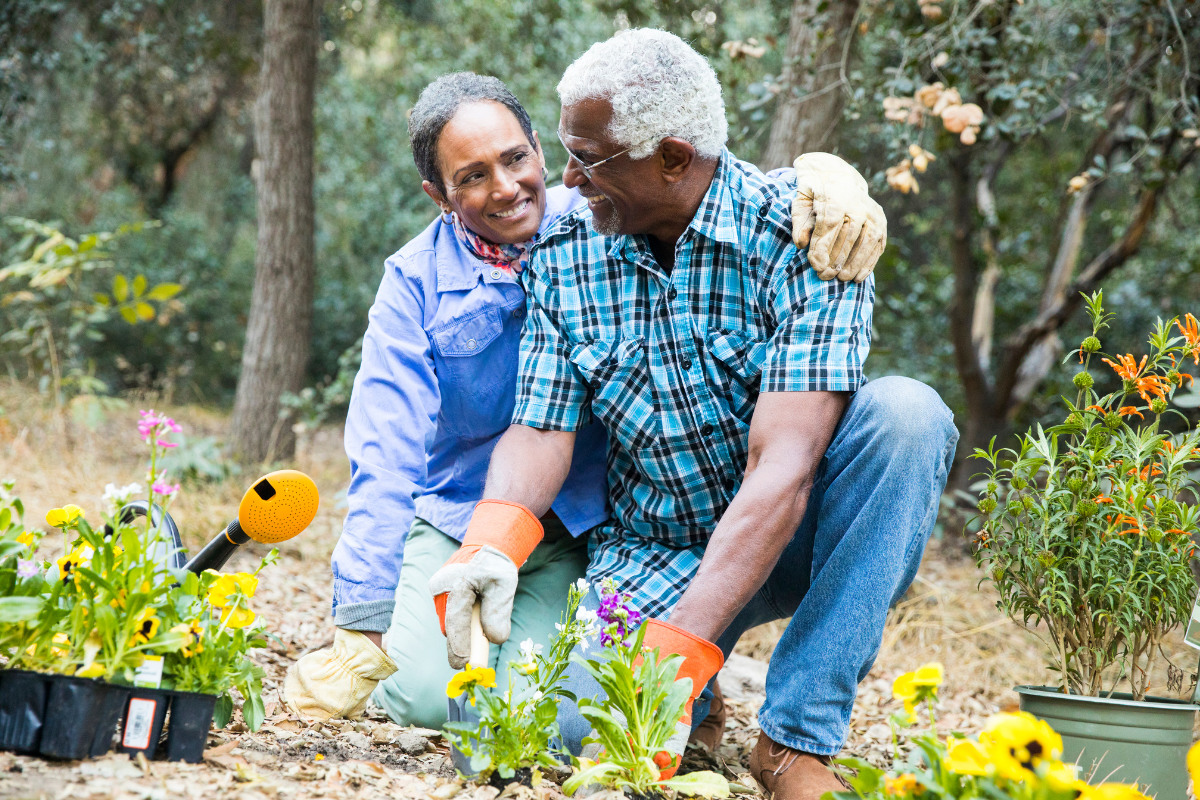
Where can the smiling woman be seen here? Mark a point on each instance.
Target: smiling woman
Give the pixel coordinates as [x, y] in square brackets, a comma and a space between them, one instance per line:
[435, 391]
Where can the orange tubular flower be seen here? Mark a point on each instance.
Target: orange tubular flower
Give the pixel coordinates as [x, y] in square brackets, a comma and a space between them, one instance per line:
[1128, 369]
[1152, 385]
[1103, 499]
[1190, 329]
[1127, 411]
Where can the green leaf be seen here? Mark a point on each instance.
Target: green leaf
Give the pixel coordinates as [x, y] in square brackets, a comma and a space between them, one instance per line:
[129, 315]
[101, 299]
[145, 311]
[139, 285]
[120, 288]
[223, 711]
[706, 784]
[164, 291]
[19, 609]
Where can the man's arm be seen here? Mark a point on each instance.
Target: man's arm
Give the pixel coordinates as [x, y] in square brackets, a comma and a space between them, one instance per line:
[789, 434]
[529, 467]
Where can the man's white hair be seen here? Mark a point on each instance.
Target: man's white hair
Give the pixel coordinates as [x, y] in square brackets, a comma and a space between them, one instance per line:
[657, 85]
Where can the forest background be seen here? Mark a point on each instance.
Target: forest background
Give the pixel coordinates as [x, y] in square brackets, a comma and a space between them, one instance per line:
[1079, 173]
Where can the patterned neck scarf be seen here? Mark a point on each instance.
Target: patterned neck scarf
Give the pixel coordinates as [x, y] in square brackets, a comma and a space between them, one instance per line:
[512, 258]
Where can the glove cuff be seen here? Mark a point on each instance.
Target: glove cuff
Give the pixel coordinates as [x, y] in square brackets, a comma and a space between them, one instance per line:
[359, 655]
[701, 658]
[511, 528]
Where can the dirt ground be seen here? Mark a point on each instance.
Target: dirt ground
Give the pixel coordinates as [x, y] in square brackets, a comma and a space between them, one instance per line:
[948, 615]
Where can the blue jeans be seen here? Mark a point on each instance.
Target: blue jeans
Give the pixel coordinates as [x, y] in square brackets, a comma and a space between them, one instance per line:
[872, 507]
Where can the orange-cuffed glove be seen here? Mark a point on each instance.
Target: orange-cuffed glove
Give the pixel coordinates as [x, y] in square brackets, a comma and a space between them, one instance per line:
[701, 661]
[499, 539]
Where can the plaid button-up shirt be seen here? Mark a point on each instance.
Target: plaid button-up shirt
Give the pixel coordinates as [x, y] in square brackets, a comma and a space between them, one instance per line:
[672, 363]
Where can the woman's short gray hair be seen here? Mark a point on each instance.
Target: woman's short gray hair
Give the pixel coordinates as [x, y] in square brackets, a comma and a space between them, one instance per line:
[657, 85]
[437, 105]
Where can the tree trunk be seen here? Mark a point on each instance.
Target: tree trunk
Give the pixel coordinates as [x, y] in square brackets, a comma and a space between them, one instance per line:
[277, 333]
[810, 103]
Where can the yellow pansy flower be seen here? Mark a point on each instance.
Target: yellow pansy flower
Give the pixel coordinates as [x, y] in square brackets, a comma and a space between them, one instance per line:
[28, 538]
[194, 633]
[237, 617]
[1112, 791]
[1193, 765]
[902, 785]
[471, 676]
[61, 517]
[146, 626]
[1018, 743]
[929, 676]
[903, 689]
[78, 557]
[93, 670]
[966, 757]
[226, 585]
[60, 639]
[1061, 778]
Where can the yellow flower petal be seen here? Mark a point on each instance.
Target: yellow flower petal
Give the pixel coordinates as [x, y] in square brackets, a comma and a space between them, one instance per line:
[928, 675]
[73, 511]
[903, 687]
[56, 517]
[1112, 791]
[1193, 764]
[237, 617]
[93, 670]
[966, 757]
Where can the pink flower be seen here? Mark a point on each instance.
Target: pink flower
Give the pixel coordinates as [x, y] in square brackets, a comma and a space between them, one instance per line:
[166, 489]
[26, 568]
[152, 425]
[161, 443]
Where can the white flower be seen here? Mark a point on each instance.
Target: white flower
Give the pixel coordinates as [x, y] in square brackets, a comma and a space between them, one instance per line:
[537, 696]
[582, 586]
[583, 645]
[115, 497]
[558, 626]
[529, 650]
[586, 616]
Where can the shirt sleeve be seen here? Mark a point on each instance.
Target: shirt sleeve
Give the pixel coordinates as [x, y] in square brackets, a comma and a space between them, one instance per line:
[551, 393]
[823, 328]
[389, 429]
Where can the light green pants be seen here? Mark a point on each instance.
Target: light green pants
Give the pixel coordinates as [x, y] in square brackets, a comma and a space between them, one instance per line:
[416, 694]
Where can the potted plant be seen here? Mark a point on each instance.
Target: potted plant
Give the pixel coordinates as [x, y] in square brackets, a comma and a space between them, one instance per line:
[1086, 529]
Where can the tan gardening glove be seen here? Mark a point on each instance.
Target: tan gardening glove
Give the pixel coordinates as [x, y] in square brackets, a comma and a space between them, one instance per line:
[336, 681]
[844, 230]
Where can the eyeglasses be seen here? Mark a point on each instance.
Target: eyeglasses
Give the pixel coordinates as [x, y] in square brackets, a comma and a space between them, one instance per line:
[587, 168]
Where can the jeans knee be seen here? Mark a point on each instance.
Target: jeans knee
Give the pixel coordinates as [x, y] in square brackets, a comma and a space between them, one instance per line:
[908, 413]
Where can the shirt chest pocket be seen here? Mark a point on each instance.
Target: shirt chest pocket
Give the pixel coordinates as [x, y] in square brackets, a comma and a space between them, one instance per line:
[476, 363]
[624, 398]
[735, 368]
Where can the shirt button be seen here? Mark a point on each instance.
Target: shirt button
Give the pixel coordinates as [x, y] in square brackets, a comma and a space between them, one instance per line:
[763, 210]
[472, 344]
[706, 430]
[671, 293]
[520, 312]
[595, 383]
[496, 274]
[686, 364]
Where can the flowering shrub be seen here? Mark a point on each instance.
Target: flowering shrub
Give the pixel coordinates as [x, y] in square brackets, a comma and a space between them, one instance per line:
[1015, 756]
[111, 600]
[517, 728]
[642, 704]
[1087, 526]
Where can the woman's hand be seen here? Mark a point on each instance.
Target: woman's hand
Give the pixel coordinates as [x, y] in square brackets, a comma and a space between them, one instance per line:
[844, 230]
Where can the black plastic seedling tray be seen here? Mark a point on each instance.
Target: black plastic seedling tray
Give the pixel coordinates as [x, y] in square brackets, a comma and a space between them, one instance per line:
[187, 731]
[22, 710]
[74, 711]
[145, 712]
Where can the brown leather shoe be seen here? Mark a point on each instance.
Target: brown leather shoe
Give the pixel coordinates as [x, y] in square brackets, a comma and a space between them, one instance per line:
[787, 774]
[710, 732]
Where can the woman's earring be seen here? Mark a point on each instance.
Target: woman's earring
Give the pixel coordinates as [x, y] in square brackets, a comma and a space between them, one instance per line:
[545, 173]
[447, 216]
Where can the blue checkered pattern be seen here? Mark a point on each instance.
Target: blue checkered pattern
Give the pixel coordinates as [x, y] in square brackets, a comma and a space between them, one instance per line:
[672, 363]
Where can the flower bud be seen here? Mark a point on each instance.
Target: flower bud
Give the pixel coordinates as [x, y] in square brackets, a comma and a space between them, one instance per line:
[1090, 345]
[1087, 508]
[1028, 503]
[1019, 483]
[1014, 507]
[987, 505]
[1074, 483]
[1158, 405]
[1046, 558]
[992, 487]
[1073, 419]
[1083, 380]
[1155, 535]
[1112, 420]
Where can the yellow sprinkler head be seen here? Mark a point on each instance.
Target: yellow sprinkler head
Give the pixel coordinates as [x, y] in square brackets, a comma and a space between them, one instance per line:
[278, 506]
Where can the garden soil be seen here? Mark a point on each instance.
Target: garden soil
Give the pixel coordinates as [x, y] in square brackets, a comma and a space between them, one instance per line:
[947, 616]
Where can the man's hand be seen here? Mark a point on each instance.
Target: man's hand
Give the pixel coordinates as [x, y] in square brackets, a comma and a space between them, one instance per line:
[337, 681]
[499, 539]
[844, 230]
[789, 434]
[701, 661]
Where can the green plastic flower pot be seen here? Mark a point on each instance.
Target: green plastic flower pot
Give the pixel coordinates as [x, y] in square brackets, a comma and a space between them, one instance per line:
[1119, 739]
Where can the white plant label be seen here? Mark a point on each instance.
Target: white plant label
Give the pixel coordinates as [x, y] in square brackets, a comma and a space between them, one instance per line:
[1192, 636]
[139, 723]
[149, 674]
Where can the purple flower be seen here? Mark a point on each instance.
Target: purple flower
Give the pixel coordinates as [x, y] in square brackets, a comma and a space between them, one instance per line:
[166, 489]
[26, 568]
[153, 425]
[619, 619]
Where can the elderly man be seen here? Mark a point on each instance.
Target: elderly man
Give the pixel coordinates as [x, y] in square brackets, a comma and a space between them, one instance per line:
[753, 473]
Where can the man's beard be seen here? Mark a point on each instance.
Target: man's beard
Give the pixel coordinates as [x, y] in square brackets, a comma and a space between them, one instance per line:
[610, 223]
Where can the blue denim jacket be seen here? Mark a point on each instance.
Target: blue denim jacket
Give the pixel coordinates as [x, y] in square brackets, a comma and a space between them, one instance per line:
[435, 391]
